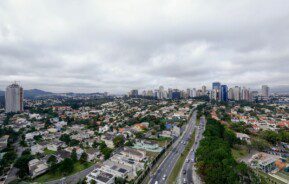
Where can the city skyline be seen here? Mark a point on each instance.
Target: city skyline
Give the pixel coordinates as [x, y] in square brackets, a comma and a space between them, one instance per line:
[117, 46]
[201, 87]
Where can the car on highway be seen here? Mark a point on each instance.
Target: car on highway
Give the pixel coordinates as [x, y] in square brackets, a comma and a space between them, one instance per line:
[164, 177]
[156, 182]
[187, 160]
[184, 171]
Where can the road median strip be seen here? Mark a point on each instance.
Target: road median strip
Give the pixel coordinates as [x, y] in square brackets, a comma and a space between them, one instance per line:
[177, 169]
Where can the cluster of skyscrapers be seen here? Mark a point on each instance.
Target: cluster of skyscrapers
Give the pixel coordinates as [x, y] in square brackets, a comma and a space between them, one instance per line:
[219, 92]
[161, 93]
[223, 93]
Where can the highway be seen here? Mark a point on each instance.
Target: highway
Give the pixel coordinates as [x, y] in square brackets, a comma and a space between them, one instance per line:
[186, 175]
[166, 167]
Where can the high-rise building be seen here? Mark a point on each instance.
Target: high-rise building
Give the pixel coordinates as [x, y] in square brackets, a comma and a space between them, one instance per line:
[144, 93]
[216, 89]
[253, 95]
[224, 93]
[216, 85]
[194, 92]
[204, 90]
[14, 98]
[176, 94]
[237, 93]
[150, 93]
[170, 92]
[161, 92]
[265, 92]
[214, 95]
[189, 93]
[245, 94]
[156, 93]
[231, 94]
[134, 93]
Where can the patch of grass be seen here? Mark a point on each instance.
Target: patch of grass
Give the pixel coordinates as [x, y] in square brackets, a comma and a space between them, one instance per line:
[198, 121]
[79, 167]
[162, 141]
[177, 168]
[48, 177]
[239, 152]
[54, 176]
[48, 152]
[151, 154]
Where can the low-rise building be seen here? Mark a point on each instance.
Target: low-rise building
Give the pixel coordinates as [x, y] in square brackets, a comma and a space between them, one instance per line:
[100, 177]
[37, 148]
[108, 139]
[243, 137]
[133, 153]
[92, 154]
[37, 167]
[147, 145]
[4, 141]
[264, 161]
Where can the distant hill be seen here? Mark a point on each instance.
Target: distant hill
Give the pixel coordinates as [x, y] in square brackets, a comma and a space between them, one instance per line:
[33, 93]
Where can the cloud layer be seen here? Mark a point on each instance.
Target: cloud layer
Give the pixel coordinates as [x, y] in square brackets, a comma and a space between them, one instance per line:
[88, 46]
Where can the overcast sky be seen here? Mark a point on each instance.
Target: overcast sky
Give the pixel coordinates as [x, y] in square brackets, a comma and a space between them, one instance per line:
[113, 45]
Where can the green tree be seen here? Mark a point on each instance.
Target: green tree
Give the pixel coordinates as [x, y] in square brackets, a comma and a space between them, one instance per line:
[271, 136]
[95, 144]
[83, 157]
[66, 166]
[74, 155]
[7, 159]
[74, 142]
[37, 137]
[119, 180]
[260, 144]
[106, 152]
[65, 138]
[22, 164]
[129, 143]
[52, 160]
[118, 141]
[215, 162]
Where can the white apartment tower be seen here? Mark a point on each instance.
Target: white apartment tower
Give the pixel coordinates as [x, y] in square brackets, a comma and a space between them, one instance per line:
[14, 98]
[237, 93]
[265, 92]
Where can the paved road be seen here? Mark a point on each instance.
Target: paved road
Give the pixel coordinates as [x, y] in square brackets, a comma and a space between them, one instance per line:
[169, 162]
[186, 175]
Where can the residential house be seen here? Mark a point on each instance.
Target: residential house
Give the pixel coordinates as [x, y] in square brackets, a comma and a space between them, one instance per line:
[101, 177]
[61, 155]
[147, 145]
[92, 154]
[243, 137]
[37, 148]
[37, 167]
[133, 153]
[264, 161]
[4, 141]
[108, 139]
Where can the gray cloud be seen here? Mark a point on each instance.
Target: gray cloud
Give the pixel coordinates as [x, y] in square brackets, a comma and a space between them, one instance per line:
[89, 46]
